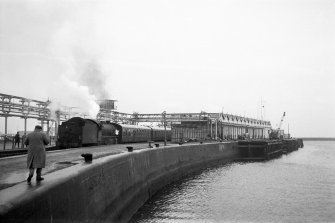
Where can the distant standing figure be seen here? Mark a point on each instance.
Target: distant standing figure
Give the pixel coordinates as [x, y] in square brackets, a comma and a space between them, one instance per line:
[23, 139]
[17, 140]
[36, 142]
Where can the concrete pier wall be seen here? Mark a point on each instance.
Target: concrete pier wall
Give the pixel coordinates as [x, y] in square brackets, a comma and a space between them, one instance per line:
[109, 189]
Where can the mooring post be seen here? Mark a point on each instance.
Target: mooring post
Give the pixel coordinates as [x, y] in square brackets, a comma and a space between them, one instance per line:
[164, 120]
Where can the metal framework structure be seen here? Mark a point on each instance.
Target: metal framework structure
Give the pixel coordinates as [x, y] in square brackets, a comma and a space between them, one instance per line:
[114, 116]
[137, 118]
[14, 106]
[227, 119]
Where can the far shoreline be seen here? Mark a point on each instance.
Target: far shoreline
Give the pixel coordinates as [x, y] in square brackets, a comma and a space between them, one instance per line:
[317, 139]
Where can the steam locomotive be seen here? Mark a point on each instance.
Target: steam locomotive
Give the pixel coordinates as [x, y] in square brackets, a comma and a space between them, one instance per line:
[78, 132]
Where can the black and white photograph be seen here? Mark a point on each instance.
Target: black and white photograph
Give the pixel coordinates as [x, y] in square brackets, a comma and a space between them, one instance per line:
[167, 111]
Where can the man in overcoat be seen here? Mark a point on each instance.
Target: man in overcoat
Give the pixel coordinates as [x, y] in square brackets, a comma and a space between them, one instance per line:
[17, 139]
[36, 142]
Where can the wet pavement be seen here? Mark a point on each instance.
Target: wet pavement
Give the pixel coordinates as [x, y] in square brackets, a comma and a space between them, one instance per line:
[14, 169]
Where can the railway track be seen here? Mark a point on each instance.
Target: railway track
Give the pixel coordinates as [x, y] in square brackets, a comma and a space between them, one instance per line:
[15, 152]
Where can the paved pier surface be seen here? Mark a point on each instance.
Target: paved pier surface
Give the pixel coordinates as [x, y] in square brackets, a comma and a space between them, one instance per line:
[14, 169]
[111, 188]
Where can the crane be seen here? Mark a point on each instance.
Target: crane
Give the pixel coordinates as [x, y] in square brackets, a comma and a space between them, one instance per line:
[275, 134]
[281, 121]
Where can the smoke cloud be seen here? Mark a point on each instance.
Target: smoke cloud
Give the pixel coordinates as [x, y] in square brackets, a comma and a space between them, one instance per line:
[72, 94]
[78, 48]
[92, 76]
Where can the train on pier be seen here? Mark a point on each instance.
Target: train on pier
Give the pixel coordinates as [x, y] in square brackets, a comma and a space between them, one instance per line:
[78, 132]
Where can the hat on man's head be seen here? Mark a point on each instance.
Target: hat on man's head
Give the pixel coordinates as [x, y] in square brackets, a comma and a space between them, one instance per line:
[38, 127]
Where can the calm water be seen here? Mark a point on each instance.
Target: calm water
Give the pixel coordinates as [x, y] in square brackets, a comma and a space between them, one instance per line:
[299, 187]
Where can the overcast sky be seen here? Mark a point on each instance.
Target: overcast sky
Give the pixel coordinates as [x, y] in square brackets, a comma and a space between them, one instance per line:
[176, 56]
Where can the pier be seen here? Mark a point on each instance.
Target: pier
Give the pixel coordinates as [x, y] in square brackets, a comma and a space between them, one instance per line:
[110, 188]
[118, 181]
[253, 150]
[110, 182]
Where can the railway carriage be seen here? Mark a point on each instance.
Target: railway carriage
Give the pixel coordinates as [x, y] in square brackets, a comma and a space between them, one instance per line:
[109, 133]
[158, 134]
[77, 132]
[132, 133]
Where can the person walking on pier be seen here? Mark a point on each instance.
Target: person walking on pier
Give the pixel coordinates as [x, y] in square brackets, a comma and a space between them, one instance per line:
[36, 142]
[17, 139]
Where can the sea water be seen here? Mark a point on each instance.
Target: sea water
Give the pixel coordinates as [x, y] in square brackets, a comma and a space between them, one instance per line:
[298, 187]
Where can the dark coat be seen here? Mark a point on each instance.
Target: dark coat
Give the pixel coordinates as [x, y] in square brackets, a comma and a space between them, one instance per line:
[17, 137]
[36, 142]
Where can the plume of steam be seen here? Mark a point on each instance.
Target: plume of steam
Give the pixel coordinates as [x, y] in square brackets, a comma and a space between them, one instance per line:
[70, 93]
[54, 107]
[81, 87]
[93, 77]
[80, 47]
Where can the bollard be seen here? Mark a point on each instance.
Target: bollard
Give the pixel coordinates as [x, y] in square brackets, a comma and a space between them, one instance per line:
[130, 148]
[157, 144]
[150, 146]
[88, 157]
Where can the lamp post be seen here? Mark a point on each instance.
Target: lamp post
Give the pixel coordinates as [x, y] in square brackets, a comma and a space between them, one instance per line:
[6, 108]
[164, 122]
[57, 123]
[25, 112]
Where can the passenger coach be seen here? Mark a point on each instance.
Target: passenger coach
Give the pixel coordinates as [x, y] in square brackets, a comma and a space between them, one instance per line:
[77, 132]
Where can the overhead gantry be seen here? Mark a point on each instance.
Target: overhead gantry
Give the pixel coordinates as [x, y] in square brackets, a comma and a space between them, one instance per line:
[226, 124]
[25, 108]
[14, 106]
